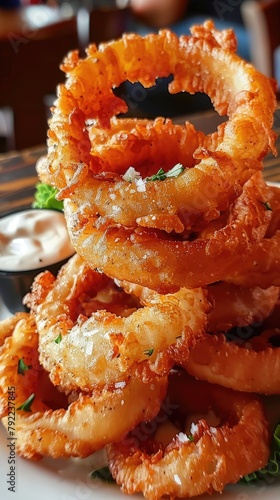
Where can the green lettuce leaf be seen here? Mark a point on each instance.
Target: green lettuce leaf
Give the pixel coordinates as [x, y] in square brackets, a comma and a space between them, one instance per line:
[272, 468]
[45, 197]
[104, 474]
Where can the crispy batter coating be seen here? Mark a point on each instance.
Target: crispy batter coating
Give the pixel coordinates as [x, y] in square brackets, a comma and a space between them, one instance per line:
[202, 457]
[237, 365]
[244, 358]
[102, 347]
[166, 262]
[20, 344]
[86, 138]
[57, 428]
[237, 306]
[97, 352]
[261, 265]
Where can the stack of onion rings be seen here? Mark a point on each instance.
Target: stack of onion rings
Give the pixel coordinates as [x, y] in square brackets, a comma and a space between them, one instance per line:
[86, 103]
[166, 222]
[151, 222]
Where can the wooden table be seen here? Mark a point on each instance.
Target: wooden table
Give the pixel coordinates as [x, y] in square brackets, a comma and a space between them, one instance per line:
[18, 174]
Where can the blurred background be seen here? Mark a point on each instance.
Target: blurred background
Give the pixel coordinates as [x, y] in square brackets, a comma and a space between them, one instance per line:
[36, 35]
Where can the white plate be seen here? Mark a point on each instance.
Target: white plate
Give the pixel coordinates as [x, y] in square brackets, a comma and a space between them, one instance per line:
[69, 479]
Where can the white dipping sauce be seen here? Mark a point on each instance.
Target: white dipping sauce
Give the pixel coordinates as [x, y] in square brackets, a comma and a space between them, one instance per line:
[32, 239]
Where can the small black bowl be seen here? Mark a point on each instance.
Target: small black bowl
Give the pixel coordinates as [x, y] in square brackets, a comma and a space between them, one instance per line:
[14, 285]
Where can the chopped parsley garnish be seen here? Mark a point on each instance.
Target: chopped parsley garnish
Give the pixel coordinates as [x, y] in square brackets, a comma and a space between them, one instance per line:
[272, 468]
[149, 352]
[45, 197]
[161, 175]
[266, 205]
[104, 474]
[22, 367]
[26, 406]
[58, 339]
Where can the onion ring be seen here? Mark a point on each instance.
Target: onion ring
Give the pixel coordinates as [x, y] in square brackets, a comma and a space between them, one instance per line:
[142, 143]
[234, 305]
[261, 265]
[87, 424]
[104, 348]
[166, 264]
[231, 305]
[86, 102]
[244, 359]
[236, 366]
[206, 462]
[12, 349]
[7, 326]
[132, 203]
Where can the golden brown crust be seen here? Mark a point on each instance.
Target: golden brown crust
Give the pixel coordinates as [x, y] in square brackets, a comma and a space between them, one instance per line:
[86, 106]
[104, 346]
[166, 263]
[236, 366]
[213, 457]
[55, 428]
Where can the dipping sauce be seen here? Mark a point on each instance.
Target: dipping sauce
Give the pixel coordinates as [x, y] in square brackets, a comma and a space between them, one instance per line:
[33, 239]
